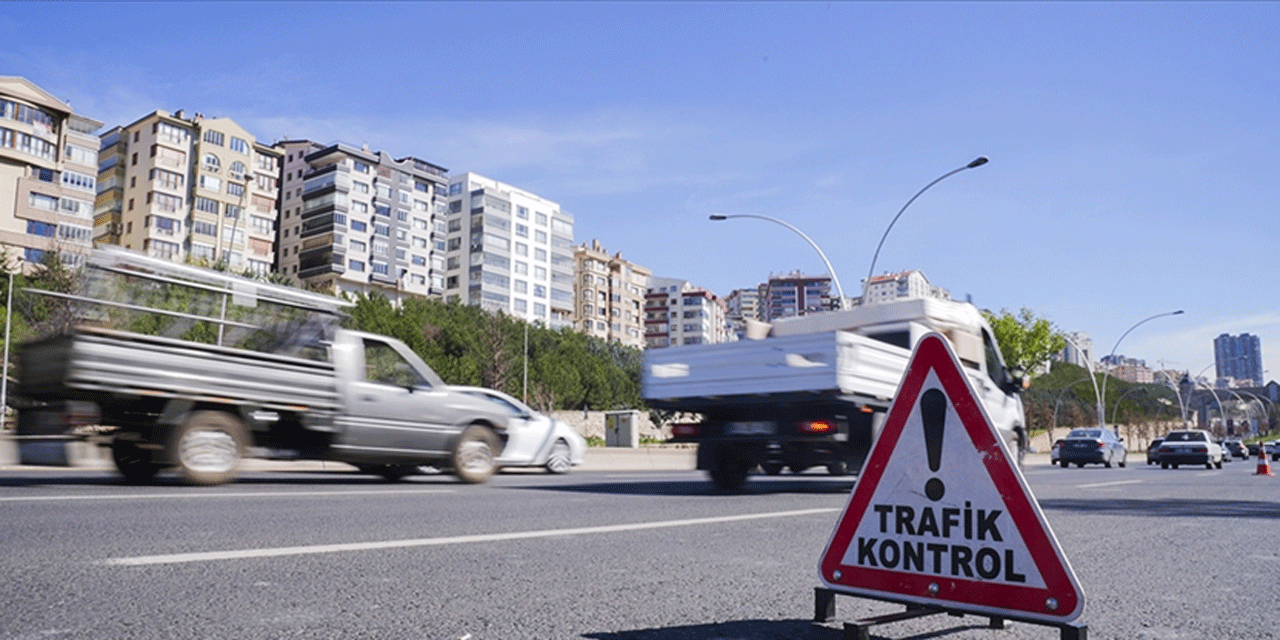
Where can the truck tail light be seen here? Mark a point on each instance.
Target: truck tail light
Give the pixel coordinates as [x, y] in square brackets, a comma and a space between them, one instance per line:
[816, 426]
[685, 430]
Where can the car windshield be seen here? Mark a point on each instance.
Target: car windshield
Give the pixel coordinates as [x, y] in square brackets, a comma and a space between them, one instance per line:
[1185, 436]
[1085, 433]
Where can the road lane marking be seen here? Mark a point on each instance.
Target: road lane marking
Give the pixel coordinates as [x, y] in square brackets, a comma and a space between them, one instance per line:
[209, 556]
[244, 494]
[1095, 485]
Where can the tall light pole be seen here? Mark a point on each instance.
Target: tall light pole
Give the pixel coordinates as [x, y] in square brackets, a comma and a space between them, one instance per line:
[977, 162]
[1089, 366]
[844, 303]
[1102, 418]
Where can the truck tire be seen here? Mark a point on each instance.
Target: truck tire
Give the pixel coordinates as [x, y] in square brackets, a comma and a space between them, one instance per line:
[729, 468]
[475, 455]
[208, 447]
[133, 462]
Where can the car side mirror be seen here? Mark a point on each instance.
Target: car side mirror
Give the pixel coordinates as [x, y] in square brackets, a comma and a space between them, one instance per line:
[1016, 380]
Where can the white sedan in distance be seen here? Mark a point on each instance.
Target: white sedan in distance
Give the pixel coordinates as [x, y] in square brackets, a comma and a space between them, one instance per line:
[533, 439]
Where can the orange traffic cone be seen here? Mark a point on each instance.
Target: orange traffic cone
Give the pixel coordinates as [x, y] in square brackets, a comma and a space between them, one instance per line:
[1264, 467]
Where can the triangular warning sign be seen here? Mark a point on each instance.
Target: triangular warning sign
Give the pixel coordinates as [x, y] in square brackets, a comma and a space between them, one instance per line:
[940, 515]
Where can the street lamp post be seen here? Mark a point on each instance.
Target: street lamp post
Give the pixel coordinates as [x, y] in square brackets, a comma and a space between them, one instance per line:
[977, 162]
[1089, 366]
[835, 280]
[1102, 418]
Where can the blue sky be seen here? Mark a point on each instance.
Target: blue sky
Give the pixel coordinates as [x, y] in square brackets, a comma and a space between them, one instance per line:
[1134, 148]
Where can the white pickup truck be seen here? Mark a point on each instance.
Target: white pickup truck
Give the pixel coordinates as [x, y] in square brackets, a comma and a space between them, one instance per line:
[814, 391]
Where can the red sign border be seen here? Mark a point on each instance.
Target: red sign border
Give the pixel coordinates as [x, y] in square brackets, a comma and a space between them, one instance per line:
[933, 352]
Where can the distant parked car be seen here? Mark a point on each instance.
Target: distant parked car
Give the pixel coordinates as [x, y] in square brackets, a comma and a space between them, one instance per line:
[1153, 451]
[1092, 446]
[1274, 450]
[1236, 449]
[533, 439]
[1191, 446]
[1253, 449]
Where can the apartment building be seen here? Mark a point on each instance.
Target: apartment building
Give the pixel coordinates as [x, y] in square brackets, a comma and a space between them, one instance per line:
[742, 305]
[355, 221]
[795, 294]
[678, 313]
[198, 190]
[906, 284]
[509, 250]
[1239, 358]
[611, 295]
[48, 175]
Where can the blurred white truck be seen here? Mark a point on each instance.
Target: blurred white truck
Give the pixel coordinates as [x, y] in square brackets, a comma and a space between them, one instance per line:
[814, 390]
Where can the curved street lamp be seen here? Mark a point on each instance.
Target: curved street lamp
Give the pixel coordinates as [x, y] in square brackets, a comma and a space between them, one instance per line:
[977, 162]
[835, 280]
[1102, 418]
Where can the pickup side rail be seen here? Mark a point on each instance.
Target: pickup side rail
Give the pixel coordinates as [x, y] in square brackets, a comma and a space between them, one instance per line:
[829, 363]
[98, 363]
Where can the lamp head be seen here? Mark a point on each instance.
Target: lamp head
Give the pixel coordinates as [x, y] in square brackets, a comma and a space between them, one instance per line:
[977, 162]
[716, 216]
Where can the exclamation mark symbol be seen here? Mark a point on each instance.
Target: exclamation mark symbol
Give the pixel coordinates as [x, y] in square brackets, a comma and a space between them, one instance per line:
[933, 412]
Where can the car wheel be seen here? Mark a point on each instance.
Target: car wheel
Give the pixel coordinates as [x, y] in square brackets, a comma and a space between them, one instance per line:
[1218, 464]
[1107, 462]
[1080, 465]
[475, 455]
[838, 468]
[1175, 466]
[559, 461]
[1064, 464]
[1124, 459]
[1164, 465]
[207, 447]
[133, 462]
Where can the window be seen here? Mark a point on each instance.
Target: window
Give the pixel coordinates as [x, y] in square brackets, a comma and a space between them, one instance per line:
[357, 246]
[211, 183]
[211, 163]
[235, 189]
[79, 181]
[239, 146]
[355, 265]
[237, 170]
[522, 230]
[361, 168]
[357, 225]
[164, 202]
[214, 137]
[206, 205]
[167, 179]
[42, 229]
[199, 227]
[165, 226]
[41, 201]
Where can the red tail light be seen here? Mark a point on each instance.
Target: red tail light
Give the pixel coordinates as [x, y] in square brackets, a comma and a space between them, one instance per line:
[686, 430]
[816, 426]
[1101, 444]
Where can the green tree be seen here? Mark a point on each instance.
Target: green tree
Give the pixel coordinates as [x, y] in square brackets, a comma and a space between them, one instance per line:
[1026, 340]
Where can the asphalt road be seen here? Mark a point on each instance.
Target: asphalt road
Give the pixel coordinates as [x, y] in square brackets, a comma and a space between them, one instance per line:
[621, 553]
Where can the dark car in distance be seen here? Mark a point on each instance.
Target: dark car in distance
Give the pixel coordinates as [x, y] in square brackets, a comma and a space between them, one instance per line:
[1092, 446]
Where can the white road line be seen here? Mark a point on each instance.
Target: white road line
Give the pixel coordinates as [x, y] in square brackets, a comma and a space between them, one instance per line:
[208, 556]
[1095, 485]
[244, 494]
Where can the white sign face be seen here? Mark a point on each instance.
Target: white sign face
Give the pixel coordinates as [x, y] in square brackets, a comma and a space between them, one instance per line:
[941, 516]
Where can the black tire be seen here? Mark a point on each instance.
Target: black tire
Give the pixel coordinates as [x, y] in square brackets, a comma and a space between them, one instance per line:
[772, 468]
[1107, 462]
[729, 468]
[133, 462]
[1124, 459]
[475, 455]
[1080, 465]
[208, 447]
[838, 468]
[1164, 465]
[560, 460]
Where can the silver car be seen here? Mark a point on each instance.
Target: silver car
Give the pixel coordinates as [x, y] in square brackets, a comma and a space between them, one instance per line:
[533, 439]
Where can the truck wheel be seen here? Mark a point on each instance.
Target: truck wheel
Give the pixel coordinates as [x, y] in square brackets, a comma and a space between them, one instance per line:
[474, 456]
[729, 469]
[133, 462]
[207, 448]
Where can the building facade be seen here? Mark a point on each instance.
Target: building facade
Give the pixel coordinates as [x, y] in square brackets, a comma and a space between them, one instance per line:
[355, 221]
[1239, 358]
[741, 305]
[199, 190]
[1079, 349]
[795, 295]
[510, 250]
[48, 175]
[897, 286]
[611, 295]
[678, 313]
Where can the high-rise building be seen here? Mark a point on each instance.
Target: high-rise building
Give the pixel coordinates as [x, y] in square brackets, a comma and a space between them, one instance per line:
[198, 190]
[795, 295]
[355, 221]
[897, 286]
[48, 174]
[678, 313]
[509, 250]
[1239, 357]
[611, 295]
[1079, 349]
